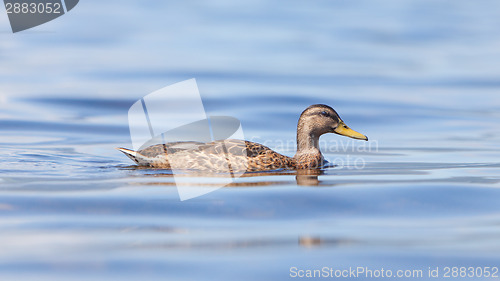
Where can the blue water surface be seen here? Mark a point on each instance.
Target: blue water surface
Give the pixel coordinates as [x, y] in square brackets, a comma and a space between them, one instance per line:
[419, 78]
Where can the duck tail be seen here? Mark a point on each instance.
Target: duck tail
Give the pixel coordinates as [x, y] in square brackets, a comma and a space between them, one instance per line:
[130, 154]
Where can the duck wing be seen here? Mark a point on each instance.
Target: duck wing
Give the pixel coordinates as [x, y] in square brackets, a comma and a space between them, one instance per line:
[169, 148]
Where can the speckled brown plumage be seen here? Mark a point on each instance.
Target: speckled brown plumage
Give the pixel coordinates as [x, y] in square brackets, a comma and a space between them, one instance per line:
[212, 156]
[246, 156]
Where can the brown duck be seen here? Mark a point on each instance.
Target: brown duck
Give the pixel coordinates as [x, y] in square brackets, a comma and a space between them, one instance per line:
[239, 155]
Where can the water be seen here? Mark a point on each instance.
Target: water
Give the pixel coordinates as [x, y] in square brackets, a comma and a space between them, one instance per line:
[419, 78]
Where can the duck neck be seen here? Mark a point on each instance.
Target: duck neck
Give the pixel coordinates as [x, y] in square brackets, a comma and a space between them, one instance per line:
[307, 141]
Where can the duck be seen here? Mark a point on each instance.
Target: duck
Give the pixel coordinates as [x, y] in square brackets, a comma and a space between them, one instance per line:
[246, 156]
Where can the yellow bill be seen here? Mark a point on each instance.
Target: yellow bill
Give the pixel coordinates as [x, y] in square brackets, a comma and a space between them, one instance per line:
[343, 130]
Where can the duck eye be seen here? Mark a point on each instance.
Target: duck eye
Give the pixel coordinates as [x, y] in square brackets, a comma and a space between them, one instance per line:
[324, 113]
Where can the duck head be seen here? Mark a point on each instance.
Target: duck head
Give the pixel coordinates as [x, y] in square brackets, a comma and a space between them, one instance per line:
[319, 119]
